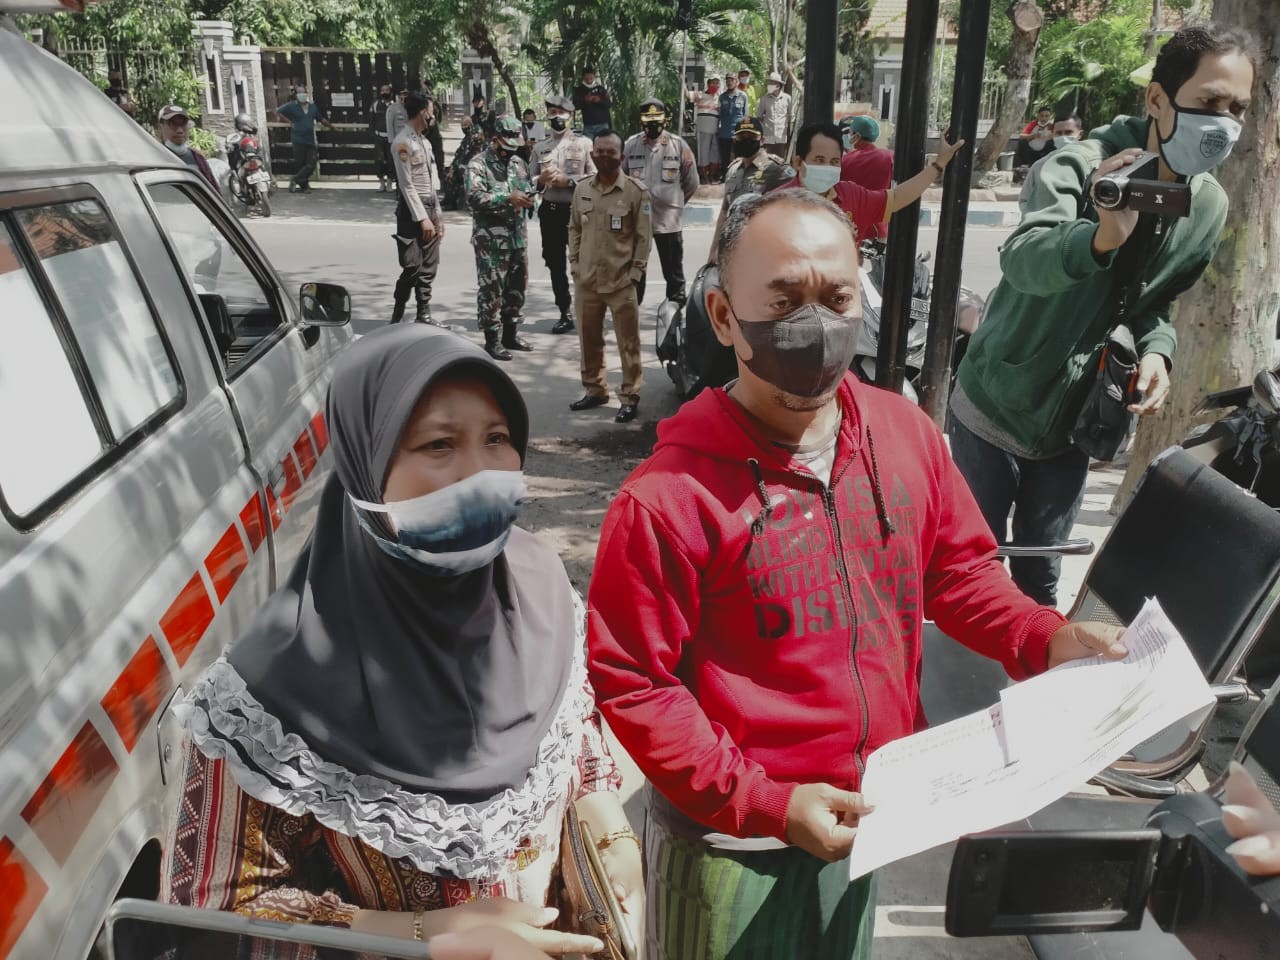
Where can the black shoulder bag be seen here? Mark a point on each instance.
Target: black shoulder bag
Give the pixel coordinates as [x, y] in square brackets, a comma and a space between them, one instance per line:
[1105, 422]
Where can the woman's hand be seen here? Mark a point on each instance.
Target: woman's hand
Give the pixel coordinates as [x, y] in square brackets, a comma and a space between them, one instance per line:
[624, 865]
[1249, 817]
[483, 943]
[524, 920]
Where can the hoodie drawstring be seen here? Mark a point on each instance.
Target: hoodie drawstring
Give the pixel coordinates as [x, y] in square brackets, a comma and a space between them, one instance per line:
[757, 525]
[887, 528]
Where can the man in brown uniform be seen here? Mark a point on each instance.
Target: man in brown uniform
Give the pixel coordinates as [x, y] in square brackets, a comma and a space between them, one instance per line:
[610, 232]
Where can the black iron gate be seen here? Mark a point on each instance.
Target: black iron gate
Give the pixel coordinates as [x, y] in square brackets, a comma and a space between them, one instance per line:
[344, 85]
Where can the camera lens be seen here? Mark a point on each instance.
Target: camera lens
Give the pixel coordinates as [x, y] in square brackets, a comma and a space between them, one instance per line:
[1108, 194]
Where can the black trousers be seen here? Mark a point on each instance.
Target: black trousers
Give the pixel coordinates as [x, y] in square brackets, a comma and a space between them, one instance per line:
[726, 153]
[419, 259]
[308, 156]
[671, 256]
[386, 169]
[553, 218]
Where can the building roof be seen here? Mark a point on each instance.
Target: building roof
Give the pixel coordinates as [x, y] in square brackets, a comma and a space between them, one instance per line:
[51, 117]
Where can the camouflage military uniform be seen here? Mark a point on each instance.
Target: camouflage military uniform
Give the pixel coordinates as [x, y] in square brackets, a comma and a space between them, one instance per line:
[498, 236]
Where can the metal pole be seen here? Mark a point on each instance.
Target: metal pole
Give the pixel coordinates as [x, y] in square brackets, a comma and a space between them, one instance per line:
[935, 380]
[684, 82]
[820, 60]
[908, 157]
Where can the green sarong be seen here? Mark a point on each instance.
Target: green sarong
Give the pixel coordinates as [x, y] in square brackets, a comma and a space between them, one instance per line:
[710, 904]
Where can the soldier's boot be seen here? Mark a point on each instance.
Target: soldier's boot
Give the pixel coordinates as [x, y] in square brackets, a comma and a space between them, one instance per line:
[564, 324]
[493, 348]
[397, 313]
[424, 312]
[512, 340]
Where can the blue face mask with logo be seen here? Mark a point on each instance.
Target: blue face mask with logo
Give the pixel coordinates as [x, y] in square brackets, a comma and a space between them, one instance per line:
[453, 530]
[1201, 139]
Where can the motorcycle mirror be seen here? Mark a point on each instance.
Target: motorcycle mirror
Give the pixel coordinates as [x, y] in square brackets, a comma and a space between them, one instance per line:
[1266, 391]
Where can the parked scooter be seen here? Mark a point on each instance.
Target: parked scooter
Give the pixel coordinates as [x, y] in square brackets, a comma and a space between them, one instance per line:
[1244, 444]
[969, 308]
[250, 180]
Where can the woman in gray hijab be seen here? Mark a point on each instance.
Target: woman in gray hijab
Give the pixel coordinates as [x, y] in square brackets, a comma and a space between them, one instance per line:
[393, 743]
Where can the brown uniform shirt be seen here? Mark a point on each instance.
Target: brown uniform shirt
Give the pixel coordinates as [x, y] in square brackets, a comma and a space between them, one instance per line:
[610, 233]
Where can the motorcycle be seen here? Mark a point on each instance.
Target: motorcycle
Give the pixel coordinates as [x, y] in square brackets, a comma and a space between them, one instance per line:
[694, 358]
[250, 180]
[969, 308]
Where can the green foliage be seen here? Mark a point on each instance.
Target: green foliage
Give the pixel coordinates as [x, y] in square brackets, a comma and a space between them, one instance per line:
[857, 48]
[1086, 66]
[204, 141]
[360, 25]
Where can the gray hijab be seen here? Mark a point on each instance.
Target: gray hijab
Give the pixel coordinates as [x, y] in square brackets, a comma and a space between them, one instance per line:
[440, 685]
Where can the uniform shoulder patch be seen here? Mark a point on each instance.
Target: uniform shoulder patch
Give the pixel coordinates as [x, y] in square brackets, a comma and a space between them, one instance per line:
[403, 152]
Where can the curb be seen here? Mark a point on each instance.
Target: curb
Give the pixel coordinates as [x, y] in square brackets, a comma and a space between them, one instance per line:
[703, 215]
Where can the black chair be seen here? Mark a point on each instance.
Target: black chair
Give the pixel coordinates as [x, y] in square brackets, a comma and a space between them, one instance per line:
[1210, 553]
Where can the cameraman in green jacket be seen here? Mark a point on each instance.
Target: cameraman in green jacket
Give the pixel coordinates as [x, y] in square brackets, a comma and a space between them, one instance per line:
[1028, 369]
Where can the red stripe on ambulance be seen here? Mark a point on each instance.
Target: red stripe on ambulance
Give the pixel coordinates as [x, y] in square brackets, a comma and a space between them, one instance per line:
[305, 453]
[187, 618]
[138, 693]
[255, 524]
[320, 431]
[64, 803]
[21, 890]
[226, 561]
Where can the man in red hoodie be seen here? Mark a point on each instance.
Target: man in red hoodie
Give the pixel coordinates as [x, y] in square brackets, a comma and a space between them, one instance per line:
[758, 596]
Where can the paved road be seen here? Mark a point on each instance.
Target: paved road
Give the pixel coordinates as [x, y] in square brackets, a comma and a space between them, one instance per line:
[577, 460]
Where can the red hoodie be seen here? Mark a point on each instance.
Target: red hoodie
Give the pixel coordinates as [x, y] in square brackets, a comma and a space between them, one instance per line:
[722, 634]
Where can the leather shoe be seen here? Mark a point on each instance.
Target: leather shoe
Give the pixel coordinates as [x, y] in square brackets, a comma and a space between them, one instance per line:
[626, 413]
[563, 325]
[588, 402]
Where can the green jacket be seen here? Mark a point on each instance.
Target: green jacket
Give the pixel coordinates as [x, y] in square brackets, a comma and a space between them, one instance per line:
[1030, 364]
[494, 220]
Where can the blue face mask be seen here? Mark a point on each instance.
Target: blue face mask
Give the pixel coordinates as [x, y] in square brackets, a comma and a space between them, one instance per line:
[1201, 140]
[453, 530]
[1061, 142]
[820, 179]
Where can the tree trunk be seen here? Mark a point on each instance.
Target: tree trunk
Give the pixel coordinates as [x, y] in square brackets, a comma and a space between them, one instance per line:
[1157, 21]
[483, 42]
[1227, 323]
[1027, 19]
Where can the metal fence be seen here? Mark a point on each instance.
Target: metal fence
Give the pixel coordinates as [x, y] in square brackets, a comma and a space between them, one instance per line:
[153, 77]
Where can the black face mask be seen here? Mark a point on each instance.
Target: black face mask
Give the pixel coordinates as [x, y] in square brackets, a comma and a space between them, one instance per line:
[747, 147]
[806, 353]
[558, 123]
[386, 98]
[653, 129]
[503, 154]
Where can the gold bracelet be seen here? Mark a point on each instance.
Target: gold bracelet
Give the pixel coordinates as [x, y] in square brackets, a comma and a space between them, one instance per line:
[626, 833]
[417, 924]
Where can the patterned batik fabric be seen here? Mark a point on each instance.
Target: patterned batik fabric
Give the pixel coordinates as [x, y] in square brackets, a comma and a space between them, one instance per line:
[227, 850]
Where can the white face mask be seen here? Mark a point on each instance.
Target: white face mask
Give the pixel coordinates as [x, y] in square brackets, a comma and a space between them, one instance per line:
[304, 98]
[178, 147]
[1061, 142]
[774, 88]
[1200, 140]
[456, 529]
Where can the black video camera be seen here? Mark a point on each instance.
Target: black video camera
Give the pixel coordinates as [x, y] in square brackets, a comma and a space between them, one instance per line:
[1138, 187]
[1082, 881]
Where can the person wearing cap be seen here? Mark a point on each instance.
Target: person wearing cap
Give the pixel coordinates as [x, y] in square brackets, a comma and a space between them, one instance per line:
[733, 110]
[593, 100]
[707, 122]
[419, 225]
[866, 164]
[754, 170]
[610, 230]
[775, 116]
[559, 163]
[499, 192]
[664, 163]
[175, 133]
[748, 91]
[303, 115]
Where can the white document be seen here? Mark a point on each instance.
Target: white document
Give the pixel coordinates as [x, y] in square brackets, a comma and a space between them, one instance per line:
[1047, 736]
